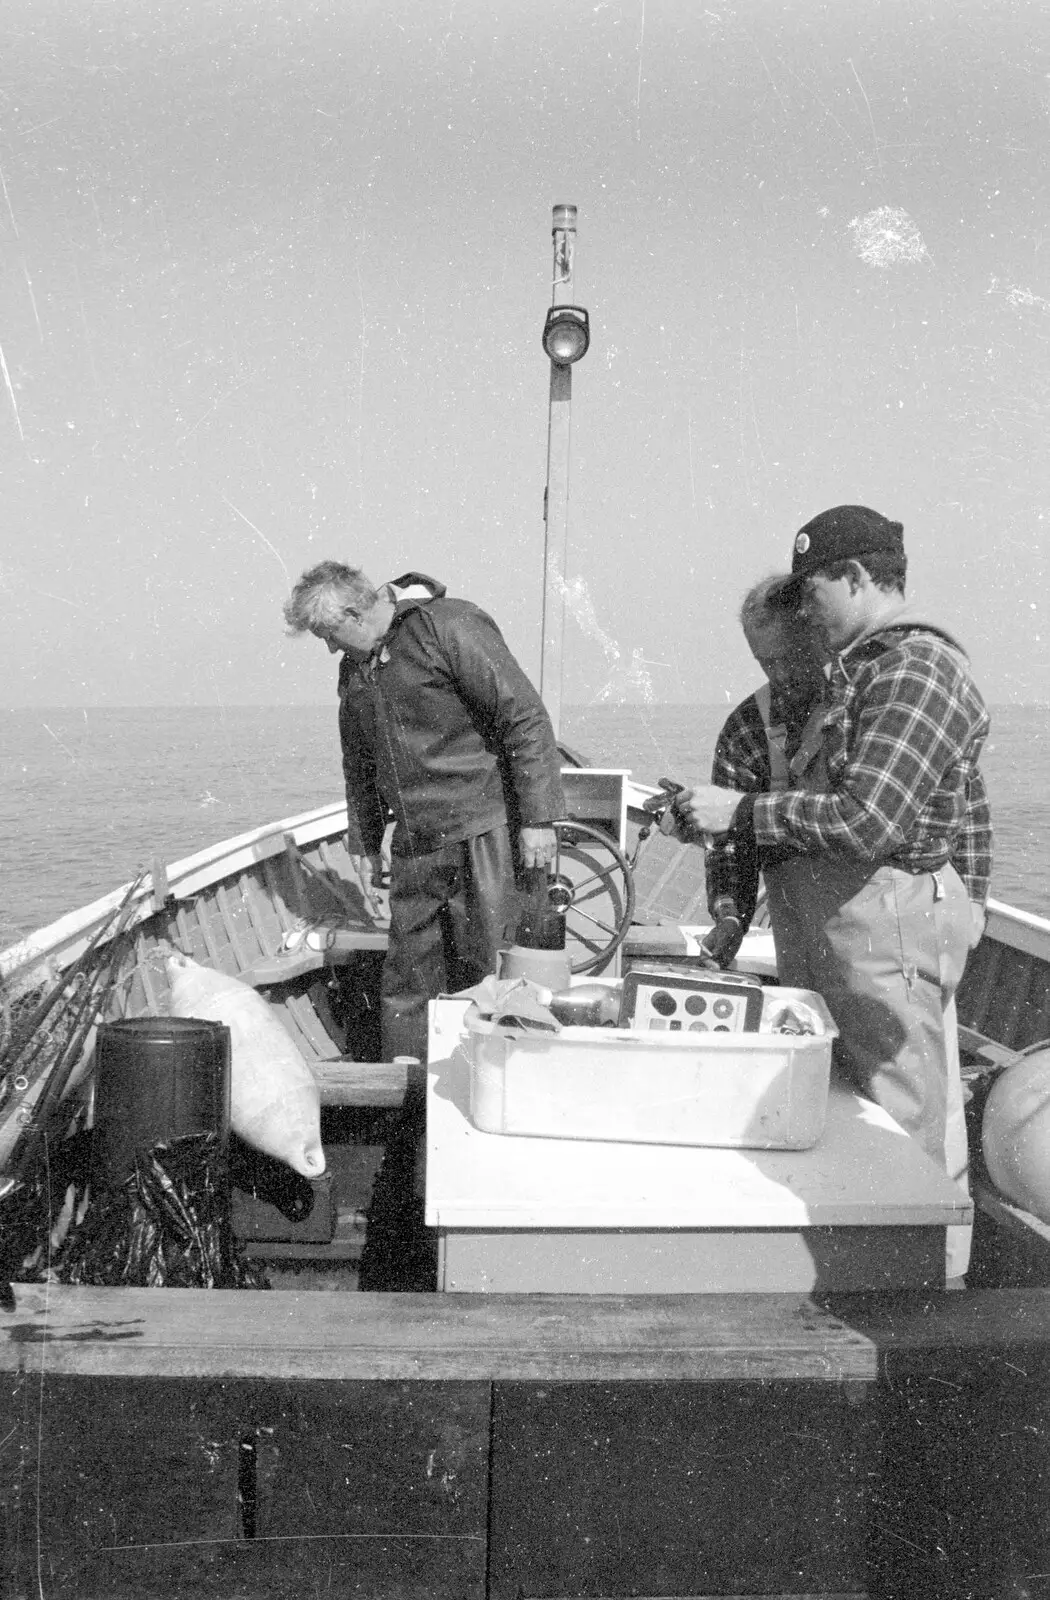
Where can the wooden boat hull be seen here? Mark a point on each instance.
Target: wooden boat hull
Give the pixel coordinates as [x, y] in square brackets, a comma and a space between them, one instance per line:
[165, 1442]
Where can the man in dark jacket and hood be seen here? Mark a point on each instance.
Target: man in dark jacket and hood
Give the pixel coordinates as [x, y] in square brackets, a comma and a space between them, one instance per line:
[442, 731]
[888, 856]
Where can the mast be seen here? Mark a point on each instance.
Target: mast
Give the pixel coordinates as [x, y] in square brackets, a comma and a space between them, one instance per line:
[565, 339]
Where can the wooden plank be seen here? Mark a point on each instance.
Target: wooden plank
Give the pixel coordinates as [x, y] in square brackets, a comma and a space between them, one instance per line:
[159, 883]
[114, 1489]
[268, 972]
[191, 940]
[365, 1083]
[226, 911]
[319, 1044]
[63, 941]
[226, 1333]
[679, 1489]
[346, 1244]
[962, 1508]
[194, 1488]
[231, 856]
[350, 901]
[908, 1329]
[259, 912]
[1010, 1246]
[983, 1049]
[286, 917]
[1004, 994]
[202, 911]
[119, 1001]
[977, 988]
[1019, 930]
[1010, 1017]
[322, 946]
[142, 955]
[1009, 1216]
[394, 1474]
[295, 873]
[665, 940]
[707, 1338]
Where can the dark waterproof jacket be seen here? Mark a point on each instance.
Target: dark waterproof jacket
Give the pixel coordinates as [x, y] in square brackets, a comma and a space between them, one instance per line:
[441, 729]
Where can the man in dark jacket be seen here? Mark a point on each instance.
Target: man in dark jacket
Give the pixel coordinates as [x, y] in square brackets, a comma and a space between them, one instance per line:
[441, 730]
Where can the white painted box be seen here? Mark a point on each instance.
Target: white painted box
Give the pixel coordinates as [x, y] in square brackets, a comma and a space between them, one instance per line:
[763, 1091]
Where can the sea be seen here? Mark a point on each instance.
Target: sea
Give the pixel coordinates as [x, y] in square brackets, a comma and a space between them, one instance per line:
[90, 796]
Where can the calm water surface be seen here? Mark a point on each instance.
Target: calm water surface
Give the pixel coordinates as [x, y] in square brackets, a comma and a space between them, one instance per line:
[87, 797]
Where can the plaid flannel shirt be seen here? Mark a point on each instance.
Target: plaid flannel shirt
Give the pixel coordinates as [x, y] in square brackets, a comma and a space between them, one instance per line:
[741, 761]
[904, 733]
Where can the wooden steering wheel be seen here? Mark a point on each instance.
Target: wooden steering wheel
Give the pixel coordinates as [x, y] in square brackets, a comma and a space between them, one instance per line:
[591, 884]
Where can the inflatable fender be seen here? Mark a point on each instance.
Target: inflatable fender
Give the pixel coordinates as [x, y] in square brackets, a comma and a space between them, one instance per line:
[275, 1104]
[1015, 1133]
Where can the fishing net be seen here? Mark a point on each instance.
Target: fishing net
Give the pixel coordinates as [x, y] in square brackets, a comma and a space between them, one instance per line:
[37, 1210]
[167, 1226]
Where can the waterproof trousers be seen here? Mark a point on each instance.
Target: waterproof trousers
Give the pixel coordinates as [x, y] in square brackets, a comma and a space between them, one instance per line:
[451, 910]
[886, 949]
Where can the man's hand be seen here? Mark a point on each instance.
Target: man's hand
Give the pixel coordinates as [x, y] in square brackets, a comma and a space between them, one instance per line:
[720, 944]
[673, 826]
[538, 846]
[708, 809]
[369, 870]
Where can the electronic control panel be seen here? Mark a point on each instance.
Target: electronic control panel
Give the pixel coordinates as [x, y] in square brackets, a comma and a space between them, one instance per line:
[676, 1002]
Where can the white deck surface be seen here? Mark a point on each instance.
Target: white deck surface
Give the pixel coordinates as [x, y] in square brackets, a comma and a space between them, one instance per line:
[864, 1172]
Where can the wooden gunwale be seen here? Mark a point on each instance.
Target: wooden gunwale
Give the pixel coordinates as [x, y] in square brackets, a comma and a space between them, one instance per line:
[867, 1372]
[146, 1333]
[142, 1333]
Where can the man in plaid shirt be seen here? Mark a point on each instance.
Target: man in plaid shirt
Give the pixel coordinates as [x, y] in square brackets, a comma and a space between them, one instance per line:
[772, 740]
[882, 893]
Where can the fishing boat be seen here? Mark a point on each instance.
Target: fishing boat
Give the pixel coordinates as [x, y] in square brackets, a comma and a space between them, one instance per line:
[360, 1432]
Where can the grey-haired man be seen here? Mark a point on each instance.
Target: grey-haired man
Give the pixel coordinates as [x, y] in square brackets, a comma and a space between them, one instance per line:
[440, 729]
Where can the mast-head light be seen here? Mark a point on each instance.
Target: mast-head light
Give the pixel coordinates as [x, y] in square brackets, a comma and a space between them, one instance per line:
[566, 334]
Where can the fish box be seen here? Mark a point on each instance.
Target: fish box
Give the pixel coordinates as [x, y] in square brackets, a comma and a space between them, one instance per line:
[766, 1090]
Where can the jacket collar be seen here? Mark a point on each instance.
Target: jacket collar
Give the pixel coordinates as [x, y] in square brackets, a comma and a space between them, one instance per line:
[908, 619]
[410, 592]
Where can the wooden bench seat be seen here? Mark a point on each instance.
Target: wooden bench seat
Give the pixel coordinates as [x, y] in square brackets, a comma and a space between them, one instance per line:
[323, 945]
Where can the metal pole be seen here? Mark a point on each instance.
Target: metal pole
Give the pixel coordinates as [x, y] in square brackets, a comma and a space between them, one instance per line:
[556, 496]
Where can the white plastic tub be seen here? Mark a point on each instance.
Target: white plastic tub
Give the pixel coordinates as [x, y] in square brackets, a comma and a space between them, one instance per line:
[764, 1091]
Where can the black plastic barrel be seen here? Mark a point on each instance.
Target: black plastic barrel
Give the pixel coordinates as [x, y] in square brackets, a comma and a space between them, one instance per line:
[156, 1079]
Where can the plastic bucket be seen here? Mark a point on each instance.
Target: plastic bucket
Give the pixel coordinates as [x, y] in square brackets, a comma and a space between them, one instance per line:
[156, 1079]
[551, 968]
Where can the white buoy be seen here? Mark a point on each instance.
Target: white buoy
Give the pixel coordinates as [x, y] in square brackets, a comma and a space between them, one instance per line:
[275, 1104]
[1015, 1133]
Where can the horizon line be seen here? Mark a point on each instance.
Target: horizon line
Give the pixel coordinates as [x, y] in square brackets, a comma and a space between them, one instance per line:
[331, 705]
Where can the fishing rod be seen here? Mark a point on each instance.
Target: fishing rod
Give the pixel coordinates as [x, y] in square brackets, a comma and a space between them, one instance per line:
[27, 1139]
[17, 1046]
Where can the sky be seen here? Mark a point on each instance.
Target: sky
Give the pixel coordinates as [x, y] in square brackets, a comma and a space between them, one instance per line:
[273, 279]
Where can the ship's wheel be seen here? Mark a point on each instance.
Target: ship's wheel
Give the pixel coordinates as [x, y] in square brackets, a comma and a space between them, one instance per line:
[592, 886]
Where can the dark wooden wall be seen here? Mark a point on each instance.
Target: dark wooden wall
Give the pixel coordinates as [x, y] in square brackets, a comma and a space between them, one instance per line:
[191, 1443]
